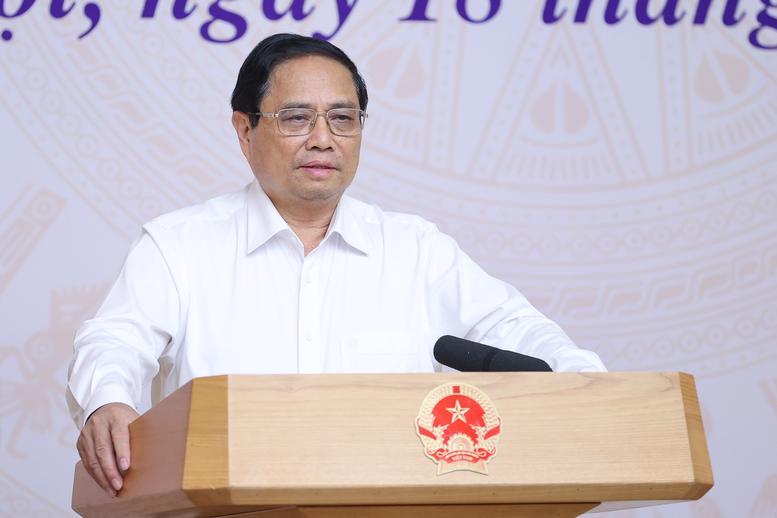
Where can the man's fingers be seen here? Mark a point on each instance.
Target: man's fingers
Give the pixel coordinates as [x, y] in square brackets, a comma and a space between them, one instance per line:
[121, 445]
[92, 465]
[104, 444]
[103, 447]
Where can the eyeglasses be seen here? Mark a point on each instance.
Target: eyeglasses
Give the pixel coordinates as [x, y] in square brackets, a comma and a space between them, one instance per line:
[345, 122]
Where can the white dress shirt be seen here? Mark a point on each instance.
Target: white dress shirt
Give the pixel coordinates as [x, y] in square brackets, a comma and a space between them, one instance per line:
[225, 288]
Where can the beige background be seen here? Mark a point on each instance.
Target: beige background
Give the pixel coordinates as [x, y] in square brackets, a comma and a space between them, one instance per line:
[622, 177]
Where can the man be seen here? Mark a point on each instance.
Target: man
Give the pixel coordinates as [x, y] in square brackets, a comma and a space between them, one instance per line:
[288, 275]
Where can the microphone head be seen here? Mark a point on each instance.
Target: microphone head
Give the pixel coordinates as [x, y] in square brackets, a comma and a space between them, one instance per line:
[463, 355]
[468, 356]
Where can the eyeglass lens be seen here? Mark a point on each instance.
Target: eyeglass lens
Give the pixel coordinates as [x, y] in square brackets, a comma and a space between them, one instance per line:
[300, 121]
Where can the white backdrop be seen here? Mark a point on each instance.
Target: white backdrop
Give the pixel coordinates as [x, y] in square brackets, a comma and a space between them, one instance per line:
[622, 176]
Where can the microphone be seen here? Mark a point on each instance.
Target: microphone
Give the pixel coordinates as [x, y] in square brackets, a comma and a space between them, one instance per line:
[467, 356]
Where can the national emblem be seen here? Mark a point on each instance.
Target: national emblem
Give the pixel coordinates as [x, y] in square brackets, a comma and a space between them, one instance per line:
[459, 428]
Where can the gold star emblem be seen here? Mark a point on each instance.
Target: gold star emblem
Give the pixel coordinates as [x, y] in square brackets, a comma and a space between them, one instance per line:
[457, 412]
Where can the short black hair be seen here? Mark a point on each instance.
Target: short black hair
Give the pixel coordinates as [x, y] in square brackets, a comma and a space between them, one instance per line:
[253, 80]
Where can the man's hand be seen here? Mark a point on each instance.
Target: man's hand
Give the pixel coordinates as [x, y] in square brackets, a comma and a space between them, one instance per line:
[104, 445]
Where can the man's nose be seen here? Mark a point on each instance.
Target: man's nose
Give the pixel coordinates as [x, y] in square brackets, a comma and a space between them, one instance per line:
[320, 136]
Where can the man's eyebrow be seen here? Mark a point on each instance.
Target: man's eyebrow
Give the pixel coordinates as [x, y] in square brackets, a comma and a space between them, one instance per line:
[295, 104]
[299, 104]
[343, 104]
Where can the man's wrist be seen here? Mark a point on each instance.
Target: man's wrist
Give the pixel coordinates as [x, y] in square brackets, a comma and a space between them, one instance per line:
[106, 394]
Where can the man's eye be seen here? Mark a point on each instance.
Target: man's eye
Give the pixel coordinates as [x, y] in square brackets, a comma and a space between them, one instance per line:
[296, 117]
[341, 117]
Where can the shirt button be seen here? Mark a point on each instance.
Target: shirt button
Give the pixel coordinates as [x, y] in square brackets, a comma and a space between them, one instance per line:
[308, 280]
[308, 337]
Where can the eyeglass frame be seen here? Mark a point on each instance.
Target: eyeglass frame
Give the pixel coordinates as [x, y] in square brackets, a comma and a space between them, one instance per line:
[270, 115]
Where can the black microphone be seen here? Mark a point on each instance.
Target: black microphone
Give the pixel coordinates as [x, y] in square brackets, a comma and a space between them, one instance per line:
[467, 356]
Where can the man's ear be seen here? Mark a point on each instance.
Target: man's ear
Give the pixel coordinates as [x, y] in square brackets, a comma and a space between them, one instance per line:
[242, 125]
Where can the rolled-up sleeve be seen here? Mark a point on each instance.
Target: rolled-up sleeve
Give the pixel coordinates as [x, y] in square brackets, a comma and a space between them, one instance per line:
[116, 353]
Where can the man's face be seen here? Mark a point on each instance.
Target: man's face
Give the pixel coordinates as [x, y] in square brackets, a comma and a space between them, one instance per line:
[299, 172]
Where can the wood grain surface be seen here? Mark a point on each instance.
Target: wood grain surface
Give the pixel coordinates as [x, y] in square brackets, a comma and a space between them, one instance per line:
[329, 441]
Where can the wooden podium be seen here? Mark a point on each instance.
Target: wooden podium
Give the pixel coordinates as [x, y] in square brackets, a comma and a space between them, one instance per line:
[347, 445]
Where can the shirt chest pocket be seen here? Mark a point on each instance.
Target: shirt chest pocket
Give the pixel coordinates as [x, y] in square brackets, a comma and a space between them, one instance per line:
[368, 352]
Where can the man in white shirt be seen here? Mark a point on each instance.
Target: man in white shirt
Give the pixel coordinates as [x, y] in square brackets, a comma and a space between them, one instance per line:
[289, 274]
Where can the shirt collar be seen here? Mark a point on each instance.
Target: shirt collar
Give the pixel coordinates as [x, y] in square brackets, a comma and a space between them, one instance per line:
[350, 224]
[264, 222]
[262, 218]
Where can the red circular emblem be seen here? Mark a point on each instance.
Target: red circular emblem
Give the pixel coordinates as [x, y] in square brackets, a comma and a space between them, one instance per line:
[459, 427]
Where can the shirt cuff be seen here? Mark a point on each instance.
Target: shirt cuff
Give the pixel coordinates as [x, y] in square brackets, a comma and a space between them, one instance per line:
[109, 393]
[577, 360]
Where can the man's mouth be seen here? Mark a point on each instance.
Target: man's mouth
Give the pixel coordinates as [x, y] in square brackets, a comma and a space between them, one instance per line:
[318, 168]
